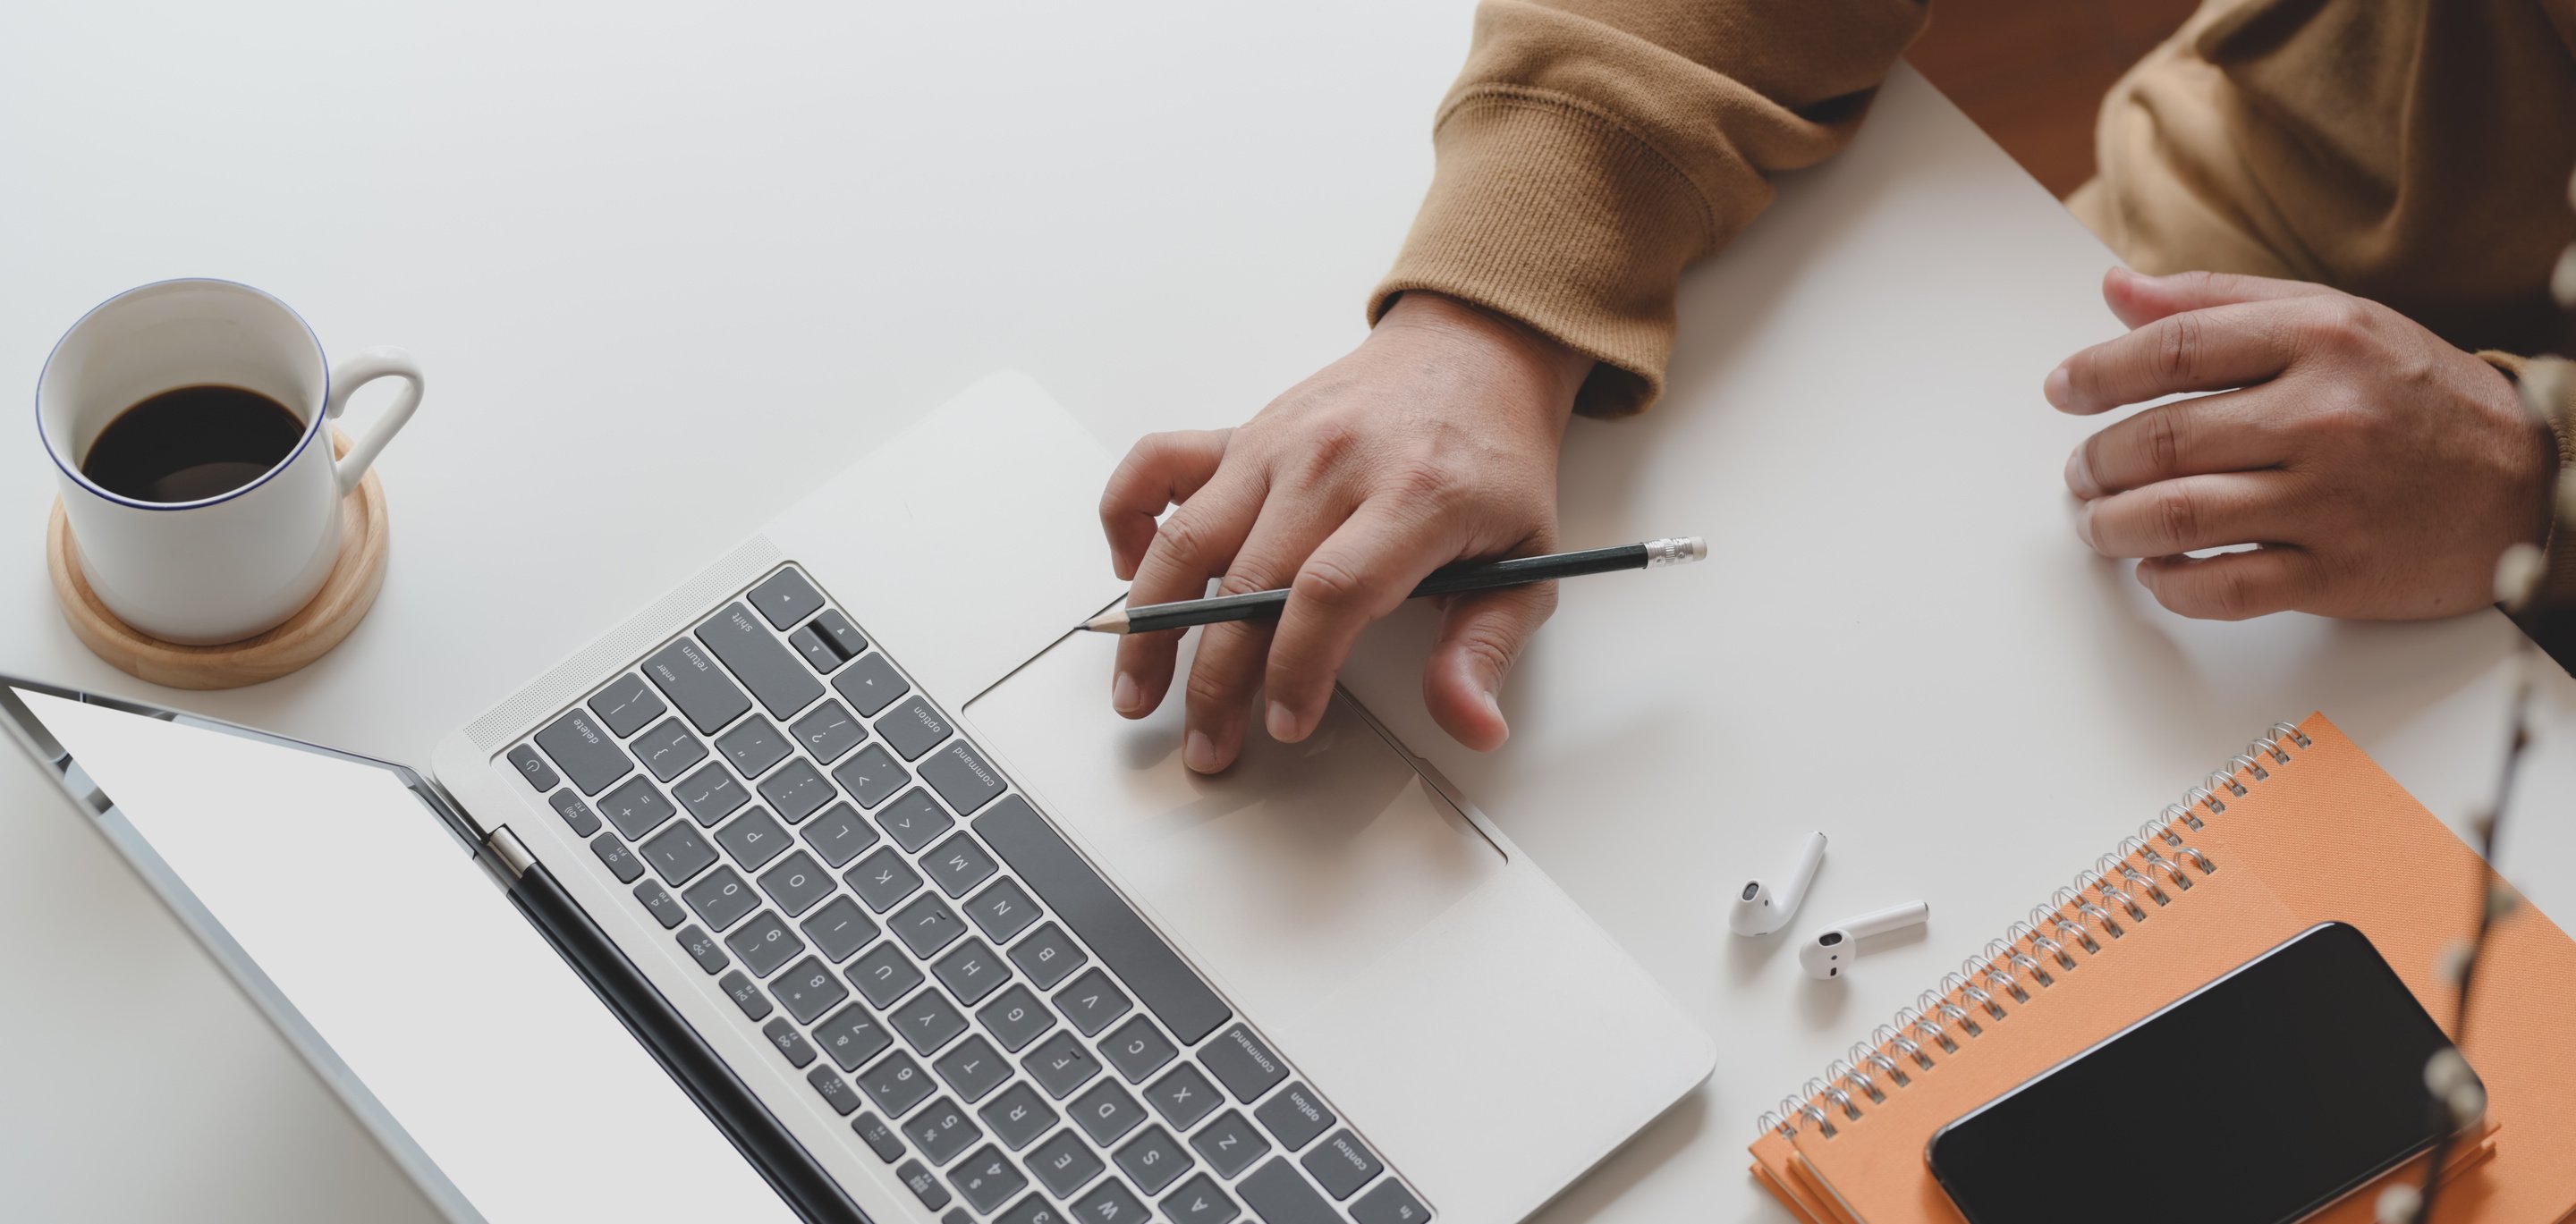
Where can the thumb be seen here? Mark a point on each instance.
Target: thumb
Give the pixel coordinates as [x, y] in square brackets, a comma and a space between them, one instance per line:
[2140, 299]
[1481, 636]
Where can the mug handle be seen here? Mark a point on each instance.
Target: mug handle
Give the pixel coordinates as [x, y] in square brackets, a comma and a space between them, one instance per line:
[346, 377]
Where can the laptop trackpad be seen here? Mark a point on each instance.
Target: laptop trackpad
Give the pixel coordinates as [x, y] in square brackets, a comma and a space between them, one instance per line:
[1287, 875]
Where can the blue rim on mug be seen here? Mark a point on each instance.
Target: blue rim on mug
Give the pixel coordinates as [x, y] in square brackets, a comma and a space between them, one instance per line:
[312, 428]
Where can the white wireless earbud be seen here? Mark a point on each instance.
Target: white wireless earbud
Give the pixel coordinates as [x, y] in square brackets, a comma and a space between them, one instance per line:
[1823, 956]
[1761, 909]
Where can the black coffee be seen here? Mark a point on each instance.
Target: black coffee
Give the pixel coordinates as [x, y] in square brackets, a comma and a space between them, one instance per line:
[192, 442]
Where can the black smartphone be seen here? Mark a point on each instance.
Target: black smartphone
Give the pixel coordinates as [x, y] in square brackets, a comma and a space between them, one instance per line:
[2263, 1096]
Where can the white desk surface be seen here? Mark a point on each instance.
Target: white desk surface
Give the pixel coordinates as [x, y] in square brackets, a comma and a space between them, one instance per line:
[670, 264]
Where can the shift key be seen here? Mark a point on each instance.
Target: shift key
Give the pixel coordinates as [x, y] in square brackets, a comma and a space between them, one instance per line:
[762, 662]
[696, 684]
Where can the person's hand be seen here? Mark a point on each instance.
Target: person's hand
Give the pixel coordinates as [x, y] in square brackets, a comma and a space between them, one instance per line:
[2381, 470]
[1434, 440]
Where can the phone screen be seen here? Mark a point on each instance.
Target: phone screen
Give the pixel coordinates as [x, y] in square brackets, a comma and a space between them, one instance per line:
[2268, 1093]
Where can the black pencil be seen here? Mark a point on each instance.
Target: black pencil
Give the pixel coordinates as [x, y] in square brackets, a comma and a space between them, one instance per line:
[1447, 580]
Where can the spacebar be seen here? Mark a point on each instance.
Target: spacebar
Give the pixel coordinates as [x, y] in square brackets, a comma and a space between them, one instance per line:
[1158, 976]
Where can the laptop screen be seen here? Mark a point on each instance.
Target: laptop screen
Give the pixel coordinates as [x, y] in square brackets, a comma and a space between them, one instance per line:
[370, 935]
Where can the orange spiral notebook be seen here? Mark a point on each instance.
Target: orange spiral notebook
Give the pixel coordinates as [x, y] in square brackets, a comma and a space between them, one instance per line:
[2303, 828]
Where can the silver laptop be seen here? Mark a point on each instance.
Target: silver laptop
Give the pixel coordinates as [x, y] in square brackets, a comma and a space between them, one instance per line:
[858, 902]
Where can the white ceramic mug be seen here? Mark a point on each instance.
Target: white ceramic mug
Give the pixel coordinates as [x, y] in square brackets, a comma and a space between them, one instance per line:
[233, 565]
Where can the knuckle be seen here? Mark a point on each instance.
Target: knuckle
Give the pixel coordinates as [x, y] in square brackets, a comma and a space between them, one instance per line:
[1423, 480]
[1245, 579]
[1183, 540]
[1328, 583]
[2176, 514]
[2230, 594]
[1211, 691]
[2161, 439]
[2183, 341]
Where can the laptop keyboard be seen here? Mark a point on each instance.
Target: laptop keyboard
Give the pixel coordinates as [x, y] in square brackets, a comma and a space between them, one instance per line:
[924, 949]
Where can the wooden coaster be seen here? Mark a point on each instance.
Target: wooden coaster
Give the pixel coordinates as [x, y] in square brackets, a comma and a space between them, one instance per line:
[309, 634]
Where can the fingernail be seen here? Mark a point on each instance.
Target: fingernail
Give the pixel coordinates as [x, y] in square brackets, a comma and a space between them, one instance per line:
[1282, 724]
[1199, 753]
[2060, 387]
[1124, 694]
[2079, 475]
[2084, 523]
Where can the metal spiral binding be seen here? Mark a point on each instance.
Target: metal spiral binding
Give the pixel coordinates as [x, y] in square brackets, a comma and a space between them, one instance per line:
[2158, 863]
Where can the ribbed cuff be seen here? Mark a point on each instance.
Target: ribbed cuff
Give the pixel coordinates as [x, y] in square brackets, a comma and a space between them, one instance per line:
[1566, 220]
[2558, 582]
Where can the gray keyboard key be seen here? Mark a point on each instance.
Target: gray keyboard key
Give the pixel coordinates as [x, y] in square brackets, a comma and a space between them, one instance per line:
[746, 994]
[1106, 1112]
[1199, 1201]
[1110, 1202]
[1137, 1049]
[1183, 1096]
[870, 685]
[1154, 1159]
[764, 943]
[927, 925]
[1018, 1116]
[576, 813]
[696, 684]
[839, 834]
[1065, 1164]
[871, 776]
[852, 1036]
[1003, 910]
[668, 749]
[753, 746]
[1016, 1018]
[972, 971]
[1342, 1164]
[958, 865]
[987, 1179]
[834, 1090]
[1390, 1203]
[1230, 1143]
[636, 808]
[1092, 1002]
[754, 838]
[760, 661]
[896, 1084]
[786, 598]
[839, 929]
[584, 751]
[533, 768]
[722, 898]
[1163, 982]
[962, 777]
[884, 975]
[882, 878]
[973, 1068]
[627, 703]
[915, 819]
[829, 731]
[797, 790]
[1031, 1210]
[711, 794]
[816, 648]
[621, 861]
[1243, 1064]
[924, 1184]
[1279, 1196]
[1060, 1064]
[808, 989]
[942, 1131]
[797, 883]
[679, 853]
[1295, 1116]
[784, 1037]
[703, 949]
[928, 1021]
[1048, 956]
[880, 1138]
[844, 635]
[664, 908]
[912, 728]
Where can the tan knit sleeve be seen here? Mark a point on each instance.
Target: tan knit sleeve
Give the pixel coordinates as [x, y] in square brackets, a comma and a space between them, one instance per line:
[1593, 148]
[2558, 582]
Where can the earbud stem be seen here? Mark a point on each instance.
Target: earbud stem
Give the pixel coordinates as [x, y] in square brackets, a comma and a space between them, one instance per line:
[1893, 918]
